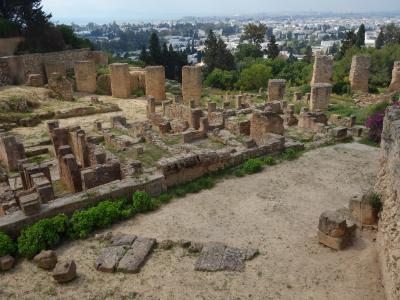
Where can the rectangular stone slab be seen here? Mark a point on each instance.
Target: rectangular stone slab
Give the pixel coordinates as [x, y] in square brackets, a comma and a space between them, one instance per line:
[109, 258]
[210, 258]
[233, 260]
[123, 240]
[136, 255]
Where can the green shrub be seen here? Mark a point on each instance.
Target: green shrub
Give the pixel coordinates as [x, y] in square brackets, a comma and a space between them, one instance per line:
[103, 215]
[8, 29]
[239, 173]
[252, 166]
[375, 201]
[206, 183]
[270, 161]
[165, 198]
[141, 202]
[290, 154]
[42, 235]
[221, 79]
[7, 245]
[180, 192]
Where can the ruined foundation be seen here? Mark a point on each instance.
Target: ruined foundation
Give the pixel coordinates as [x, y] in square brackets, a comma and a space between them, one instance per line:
[192, 84]
[359, 73]
[85, 76]
[155, 82]
[120, 81]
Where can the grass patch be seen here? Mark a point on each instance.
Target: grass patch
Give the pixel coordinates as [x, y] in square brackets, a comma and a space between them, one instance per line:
[368, 142]
[38, 158]
[151, 155]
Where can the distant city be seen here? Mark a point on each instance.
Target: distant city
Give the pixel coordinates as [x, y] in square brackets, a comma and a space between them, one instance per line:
[322, 31]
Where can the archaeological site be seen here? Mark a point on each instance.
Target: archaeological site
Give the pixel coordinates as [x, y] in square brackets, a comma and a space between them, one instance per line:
[138, 180]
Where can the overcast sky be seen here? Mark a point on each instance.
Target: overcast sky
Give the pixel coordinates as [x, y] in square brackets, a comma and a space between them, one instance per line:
[133, 10]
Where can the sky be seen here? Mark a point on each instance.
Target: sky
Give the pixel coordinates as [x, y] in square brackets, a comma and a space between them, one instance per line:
[80, 11]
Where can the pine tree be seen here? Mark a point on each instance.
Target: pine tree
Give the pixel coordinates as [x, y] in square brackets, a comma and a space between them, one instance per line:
[155, 50]
[308, 55]
[360, 37]
[144, 56]
[380, 41]
[272, 48]
[216, 54]
[348, 42]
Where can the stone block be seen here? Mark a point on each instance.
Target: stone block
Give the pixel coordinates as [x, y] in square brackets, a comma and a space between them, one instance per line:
[65, 271]
[333, 224]
[30, 204]
[6, 263]
[359, 73]
[155, 82]
[46, 260]
[109, 259]
[192, 84]
[136, 256]
[86, 76]
[35, 80]
[120, 80]
[276, 89]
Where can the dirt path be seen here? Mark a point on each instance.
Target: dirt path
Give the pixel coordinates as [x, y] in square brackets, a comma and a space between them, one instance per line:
[276, 211]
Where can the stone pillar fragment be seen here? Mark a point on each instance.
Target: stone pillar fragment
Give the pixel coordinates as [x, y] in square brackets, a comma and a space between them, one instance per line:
[120, 81]
[192, 84]
[395, 83]
[155, 82]
[323, 68]
[211, 107]
[86, 77]
[359, 73]
[35, 80]
[320, 96]
[151, 107]
[276, 89]
[55, 67]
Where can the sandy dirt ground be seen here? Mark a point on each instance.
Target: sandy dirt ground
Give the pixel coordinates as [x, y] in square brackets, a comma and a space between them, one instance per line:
[275, 211]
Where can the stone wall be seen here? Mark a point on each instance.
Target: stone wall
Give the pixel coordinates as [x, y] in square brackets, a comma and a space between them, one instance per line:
[359, 73]
[323, 68]
[263, 124]
[155, 82]
[10, 152]
[192, 84]
[16, 69]
[138, 80]
[388, 185]
[395, 83]
[9, 45]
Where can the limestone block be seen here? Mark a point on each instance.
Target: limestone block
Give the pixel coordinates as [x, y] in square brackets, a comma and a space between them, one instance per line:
[65, 271]
[359, 73]
[155, 82]
[46, 260]
[276, 89]
[30, 204]
[55, 67]
[136, 256]
[320, 96]
[35, 80]
[333, 224]
[85, 76]
[323, 69]
[6, 263]
[109, 259]
[192, 84]
[120, 80]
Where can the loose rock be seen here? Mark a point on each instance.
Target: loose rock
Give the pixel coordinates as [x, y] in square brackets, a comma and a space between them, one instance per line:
[46, 260]
[6, 263]
[65, 271]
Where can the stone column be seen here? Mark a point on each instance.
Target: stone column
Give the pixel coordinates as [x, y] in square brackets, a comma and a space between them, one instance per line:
[359, 73]
[320, 96]
[192, 84]
[151, 107]
[85, 76]
[211, 107]
[323, 68]
[120, 81]
[276, 89]
[395, 84]
[155, 82]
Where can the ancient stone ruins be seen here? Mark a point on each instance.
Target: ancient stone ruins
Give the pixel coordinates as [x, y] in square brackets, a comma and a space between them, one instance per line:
[183, 137]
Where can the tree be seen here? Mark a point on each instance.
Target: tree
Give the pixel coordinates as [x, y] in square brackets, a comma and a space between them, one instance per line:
[255, 77]
[272, 48]
[348, 42]
[308, 55]
[360, 37]
[255, 34]
[380, 40]
[216, 54]
[248, 50]
[155, 49]
[144, 56]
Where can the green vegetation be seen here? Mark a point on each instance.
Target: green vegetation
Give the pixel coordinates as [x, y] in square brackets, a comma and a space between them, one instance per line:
[375, 201]
[7, 246]
[253, 166]
[44, 234]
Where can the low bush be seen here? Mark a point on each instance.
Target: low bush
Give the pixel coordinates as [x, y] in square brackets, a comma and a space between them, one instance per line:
[375, 201]
[7, 245]
[142, 202]
[42, 235]
[165, 198]
[239, 172]
[252, 166]
[103, 215]
[290, 154]
[375, 125]
[269, 161]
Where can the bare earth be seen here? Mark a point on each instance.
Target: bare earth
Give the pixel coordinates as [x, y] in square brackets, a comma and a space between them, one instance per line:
[275, 211]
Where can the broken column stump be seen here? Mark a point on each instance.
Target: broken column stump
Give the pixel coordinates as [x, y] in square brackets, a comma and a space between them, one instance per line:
[333, 230]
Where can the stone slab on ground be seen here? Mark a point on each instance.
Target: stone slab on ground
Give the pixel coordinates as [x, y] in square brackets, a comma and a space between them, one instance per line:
[123, 240]
[211, 257]
[136, 256]
[109, 259]
[233, 259]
